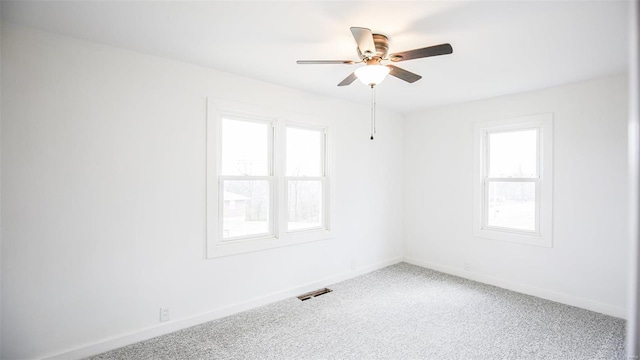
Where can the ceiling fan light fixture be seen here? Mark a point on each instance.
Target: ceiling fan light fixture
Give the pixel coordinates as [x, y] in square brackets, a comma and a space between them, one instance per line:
[372, 74]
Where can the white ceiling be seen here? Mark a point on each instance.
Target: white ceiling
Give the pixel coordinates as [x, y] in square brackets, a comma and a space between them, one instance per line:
[500, 47]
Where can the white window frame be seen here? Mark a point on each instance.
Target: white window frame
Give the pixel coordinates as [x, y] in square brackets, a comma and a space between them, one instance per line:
[322, 178]
[269, 177]
[218, 109]
[542, 234]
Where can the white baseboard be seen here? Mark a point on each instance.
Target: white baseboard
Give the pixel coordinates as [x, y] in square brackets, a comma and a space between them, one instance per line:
[172, 326]
[524, 288]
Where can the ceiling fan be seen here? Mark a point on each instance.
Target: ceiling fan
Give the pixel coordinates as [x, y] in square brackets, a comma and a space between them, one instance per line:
[373, 50]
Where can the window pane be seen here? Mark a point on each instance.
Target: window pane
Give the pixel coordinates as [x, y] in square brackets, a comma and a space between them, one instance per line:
[513, 154]
[245, 148]
[512, 205]
[304, 152]
[245, 208]
[304, 205]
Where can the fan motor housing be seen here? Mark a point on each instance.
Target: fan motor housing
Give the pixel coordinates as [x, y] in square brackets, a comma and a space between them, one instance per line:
[382, 45]
[382, 48]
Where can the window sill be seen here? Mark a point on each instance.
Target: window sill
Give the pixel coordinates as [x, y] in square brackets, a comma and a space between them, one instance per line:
[224, 248]
[515, 237]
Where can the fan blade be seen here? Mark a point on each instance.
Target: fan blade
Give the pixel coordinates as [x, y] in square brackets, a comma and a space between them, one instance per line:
[348, 80]
[436, 50]
[364, 38]
[305, 62]
[403, 74]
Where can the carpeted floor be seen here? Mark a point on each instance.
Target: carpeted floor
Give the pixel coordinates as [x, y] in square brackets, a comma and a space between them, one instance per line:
[399, 312]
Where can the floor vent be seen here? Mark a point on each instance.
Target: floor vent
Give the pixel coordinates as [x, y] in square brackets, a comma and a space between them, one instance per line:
[315, 293]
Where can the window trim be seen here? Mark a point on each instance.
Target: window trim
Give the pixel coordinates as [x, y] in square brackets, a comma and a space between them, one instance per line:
[542, 235]
[216, 246]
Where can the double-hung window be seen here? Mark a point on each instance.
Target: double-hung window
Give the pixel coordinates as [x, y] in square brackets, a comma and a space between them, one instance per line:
[267, 180]
[246, 180]
[305, 178]
[513, 180]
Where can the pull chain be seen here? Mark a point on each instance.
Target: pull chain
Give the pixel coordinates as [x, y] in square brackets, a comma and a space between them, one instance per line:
[373, 111]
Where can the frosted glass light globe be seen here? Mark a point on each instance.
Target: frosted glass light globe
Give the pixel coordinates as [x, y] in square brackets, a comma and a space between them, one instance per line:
[372, 74]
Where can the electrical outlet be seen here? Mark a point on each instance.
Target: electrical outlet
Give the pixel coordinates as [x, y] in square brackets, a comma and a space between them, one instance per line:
[164, 314]
[467, 266]
[353, 264]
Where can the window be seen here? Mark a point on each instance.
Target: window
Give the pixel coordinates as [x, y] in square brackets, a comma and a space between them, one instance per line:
[512, 191]
[267, 183]
[246, 177]
[305, 178]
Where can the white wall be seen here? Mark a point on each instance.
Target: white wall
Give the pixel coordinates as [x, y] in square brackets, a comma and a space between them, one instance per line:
[103, 196]
[0, 191]
[633, 302]
[103, 190]
[588, 262]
